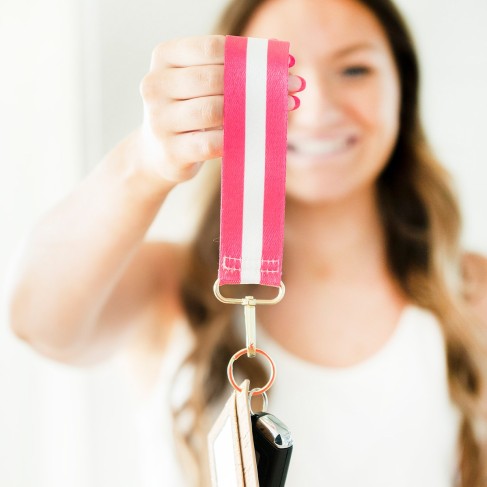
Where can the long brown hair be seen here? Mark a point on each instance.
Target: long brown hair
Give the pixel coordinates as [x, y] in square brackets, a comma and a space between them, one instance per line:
[421, 217]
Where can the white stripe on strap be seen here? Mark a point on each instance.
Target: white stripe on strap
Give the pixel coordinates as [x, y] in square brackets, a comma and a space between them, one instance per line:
[254, 175]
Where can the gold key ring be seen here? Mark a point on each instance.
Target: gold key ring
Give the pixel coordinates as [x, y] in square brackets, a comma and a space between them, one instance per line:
[256, 391]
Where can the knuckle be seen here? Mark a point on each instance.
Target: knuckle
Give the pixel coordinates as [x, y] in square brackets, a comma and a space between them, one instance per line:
[214, 144]
[164, 81]
[147, 87]
[211, 46]
[143, 87]
[201, 77]
[208, 112]
[171, 150]
[206, 146]
[214, 78]
[158, 53]
[163, 124]
[158, 124]
[196, 145]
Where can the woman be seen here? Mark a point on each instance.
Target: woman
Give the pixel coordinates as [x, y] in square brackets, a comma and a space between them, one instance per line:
[381, 337]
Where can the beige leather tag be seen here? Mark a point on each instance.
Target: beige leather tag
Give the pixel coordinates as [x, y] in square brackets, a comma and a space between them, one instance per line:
[246, 438]
[231, 446]
[224, 448]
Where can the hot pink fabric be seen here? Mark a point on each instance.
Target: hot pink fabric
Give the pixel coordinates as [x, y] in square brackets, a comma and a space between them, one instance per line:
[232, 177]
[233, 162]
[275, 169]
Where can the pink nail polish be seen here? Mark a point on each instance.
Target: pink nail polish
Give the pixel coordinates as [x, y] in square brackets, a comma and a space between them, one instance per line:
[292, 61]
[297, 102]
[303, 83]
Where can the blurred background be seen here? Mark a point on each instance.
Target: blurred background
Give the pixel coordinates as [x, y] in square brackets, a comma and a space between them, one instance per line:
[69, 90]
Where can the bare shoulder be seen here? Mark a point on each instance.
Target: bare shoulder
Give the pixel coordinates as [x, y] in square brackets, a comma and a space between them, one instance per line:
[475, 275]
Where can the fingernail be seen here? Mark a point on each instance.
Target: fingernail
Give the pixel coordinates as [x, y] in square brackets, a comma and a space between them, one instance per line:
[297, 102]
[292, 61]
[303, 83]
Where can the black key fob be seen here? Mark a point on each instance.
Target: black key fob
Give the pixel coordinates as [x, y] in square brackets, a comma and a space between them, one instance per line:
[273, 448]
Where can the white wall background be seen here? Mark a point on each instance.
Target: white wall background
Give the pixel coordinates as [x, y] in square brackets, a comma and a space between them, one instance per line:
[69, 77]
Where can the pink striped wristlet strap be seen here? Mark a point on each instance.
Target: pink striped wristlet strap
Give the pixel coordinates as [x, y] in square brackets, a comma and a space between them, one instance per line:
[254, 160]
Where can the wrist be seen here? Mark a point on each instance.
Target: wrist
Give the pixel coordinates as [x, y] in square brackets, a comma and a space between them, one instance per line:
[135, 166]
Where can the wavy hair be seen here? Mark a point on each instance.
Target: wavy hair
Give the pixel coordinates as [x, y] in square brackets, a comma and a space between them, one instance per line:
[422, 222]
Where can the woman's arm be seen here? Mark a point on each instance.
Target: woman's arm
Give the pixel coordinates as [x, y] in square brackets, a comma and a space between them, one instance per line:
[84, 274]
[84, 262]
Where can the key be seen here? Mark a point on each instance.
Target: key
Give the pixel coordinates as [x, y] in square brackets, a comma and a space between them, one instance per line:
[273, 445]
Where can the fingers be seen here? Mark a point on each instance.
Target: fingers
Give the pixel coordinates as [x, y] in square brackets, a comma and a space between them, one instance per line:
[189, 51]
[195, 114]
[195, 81]
[188, 99]
[192, 67]
[189, 115]
[296, 83]
[183, 83]
[293, 102]
[183, 102]
[194, 146]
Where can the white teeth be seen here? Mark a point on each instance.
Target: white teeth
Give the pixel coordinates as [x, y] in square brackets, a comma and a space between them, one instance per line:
[320, 147]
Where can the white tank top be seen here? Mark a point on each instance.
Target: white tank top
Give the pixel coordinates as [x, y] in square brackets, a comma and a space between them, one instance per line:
[385, 422]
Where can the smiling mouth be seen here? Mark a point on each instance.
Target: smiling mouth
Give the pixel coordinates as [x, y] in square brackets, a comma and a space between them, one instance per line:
[322, 147]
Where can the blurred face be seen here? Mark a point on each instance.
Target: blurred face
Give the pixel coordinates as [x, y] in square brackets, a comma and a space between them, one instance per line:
[343, 133]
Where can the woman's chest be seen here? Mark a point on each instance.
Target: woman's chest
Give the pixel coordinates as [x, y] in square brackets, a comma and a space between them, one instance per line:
[387, 421]
[336, 332]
